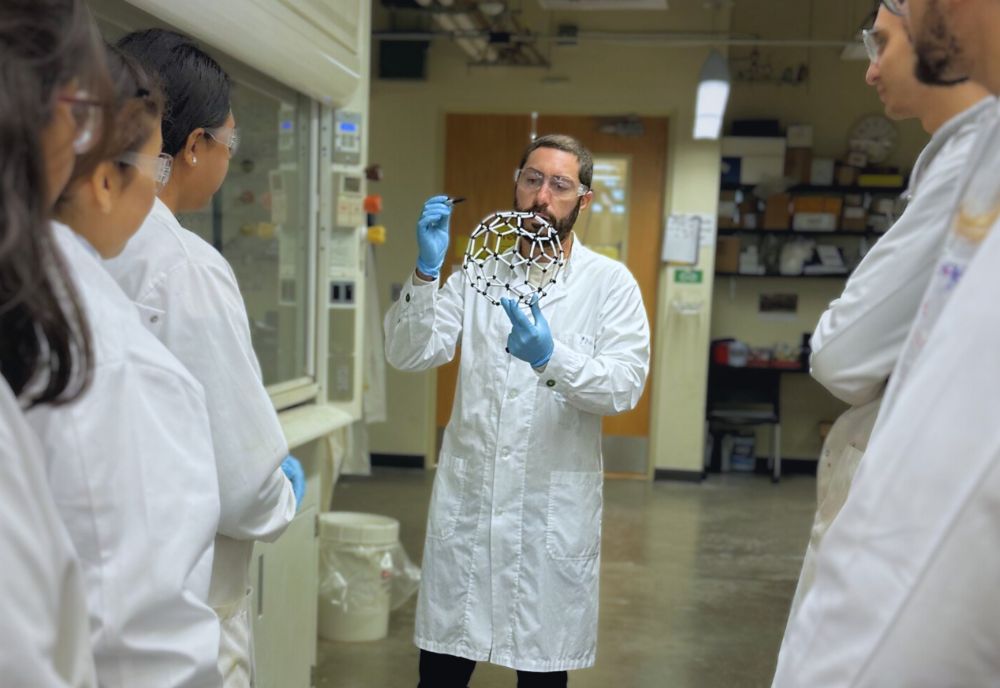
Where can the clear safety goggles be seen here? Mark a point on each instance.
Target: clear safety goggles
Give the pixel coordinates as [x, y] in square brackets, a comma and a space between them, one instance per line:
[561, 188]
[155, 167]
[873, 45]
[227, 136]
[897, 7]
[88, 114]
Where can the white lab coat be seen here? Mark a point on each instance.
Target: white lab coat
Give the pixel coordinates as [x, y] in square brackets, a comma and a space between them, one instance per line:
[188, 297]
[978, 199]
[859, 338]
[512, 555]
[44, 630]
[130, 468]
[905, 582]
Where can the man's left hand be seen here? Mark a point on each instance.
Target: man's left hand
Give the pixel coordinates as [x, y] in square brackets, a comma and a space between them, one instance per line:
[529, 341]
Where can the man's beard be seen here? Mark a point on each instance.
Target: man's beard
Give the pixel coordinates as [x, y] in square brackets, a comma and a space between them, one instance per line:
[938, 50]
[564, 226]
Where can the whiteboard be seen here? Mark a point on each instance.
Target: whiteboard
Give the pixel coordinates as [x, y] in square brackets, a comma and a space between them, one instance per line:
[684, 235]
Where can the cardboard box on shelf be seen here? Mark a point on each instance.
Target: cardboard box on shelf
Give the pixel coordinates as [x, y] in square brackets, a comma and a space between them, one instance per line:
[847, 175]
[857, 159]
[755, 169]
[854, 200]
[729, 209]
[798, 164]
[747, 146]
[854, 219]
[778, 212]
[727, 254]
[822, 172]
[818, 204]
[815, 222]
[760, 158]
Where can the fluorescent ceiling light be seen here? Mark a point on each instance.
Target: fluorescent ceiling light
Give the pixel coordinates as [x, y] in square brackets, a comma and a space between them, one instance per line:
[713, 96]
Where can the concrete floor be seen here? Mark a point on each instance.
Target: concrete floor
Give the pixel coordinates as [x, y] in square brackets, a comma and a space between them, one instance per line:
[695, 583]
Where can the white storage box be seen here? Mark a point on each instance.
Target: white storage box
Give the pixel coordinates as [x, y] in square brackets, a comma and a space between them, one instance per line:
[814, 222]
[799, 136]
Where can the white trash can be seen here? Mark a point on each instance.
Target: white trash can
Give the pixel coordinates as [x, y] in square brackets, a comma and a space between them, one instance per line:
[356, 560]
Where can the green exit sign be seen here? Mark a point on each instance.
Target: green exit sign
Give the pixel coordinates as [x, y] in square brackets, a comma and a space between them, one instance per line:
[688, 276]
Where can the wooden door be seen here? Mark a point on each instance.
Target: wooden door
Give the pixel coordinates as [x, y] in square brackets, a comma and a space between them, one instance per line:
[482, 152]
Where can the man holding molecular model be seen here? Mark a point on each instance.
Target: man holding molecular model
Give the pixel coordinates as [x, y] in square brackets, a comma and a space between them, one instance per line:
[512, 554]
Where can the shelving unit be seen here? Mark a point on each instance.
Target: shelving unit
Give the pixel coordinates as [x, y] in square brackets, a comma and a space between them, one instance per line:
[798, 277]
[811, 189]
[801, 233]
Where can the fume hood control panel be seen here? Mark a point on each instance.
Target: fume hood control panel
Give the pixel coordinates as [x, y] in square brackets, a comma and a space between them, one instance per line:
[347, 137]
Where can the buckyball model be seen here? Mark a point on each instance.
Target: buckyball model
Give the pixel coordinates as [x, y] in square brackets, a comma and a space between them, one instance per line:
[513, 254]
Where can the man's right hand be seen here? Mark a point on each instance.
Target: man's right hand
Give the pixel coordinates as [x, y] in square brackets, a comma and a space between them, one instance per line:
[433, 236]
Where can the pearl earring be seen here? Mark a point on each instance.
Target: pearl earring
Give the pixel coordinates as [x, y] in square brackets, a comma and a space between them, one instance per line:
[194, 160]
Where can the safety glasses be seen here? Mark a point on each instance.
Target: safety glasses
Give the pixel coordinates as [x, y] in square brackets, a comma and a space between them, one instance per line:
[874, 45]
[155, 167]
[561, 188]
[87, 113]
[227, 136]
[897, 7]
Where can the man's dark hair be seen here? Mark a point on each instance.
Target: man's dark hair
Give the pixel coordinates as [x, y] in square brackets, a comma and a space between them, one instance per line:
[196, 87]
[569, 145]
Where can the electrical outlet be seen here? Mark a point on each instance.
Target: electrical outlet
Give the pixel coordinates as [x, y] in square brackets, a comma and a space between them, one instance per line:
[341, 293]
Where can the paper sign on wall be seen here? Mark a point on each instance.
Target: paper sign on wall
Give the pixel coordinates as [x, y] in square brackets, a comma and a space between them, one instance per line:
[683, 237]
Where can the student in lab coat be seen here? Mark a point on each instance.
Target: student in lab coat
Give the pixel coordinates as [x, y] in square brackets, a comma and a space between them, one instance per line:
[45, 353]
[188, 297]
[130, 462]
[859, 338]
[903, 582]
[512, 554]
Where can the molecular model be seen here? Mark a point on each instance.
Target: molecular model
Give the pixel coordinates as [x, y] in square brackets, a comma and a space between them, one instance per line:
[513, 254]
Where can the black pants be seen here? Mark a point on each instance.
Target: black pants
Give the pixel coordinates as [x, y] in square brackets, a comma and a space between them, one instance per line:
[445, 671]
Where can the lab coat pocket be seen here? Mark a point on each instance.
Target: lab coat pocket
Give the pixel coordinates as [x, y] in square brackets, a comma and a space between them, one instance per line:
[577, 341]
[448, 497]
[573, 520]
[152, 318]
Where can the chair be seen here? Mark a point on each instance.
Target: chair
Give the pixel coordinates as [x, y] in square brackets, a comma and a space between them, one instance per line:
[747, 397]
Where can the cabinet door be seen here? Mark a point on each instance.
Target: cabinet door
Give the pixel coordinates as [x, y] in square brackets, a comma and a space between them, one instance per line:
[285, 578]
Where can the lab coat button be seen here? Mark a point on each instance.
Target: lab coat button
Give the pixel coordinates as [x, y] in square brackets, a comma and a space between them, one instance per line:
[513, 394]
[550, 383]
[407, 298]
[154, 319]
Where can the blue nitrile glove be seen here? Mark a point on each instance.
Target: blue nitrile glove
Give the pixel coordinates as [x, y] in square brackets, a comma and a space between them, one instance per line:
[432, 235]
[529, 341]
[293, 471]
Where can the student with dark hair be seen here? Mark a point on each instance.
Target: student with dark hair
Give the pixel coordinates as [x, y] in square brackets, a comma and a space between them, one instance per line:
[190, 300]
[53, 91]
[130, 461]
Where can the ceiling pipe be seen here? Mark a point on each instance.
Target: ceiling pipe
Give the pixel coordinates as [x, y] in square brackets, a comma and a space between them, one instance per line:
[634, 39]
